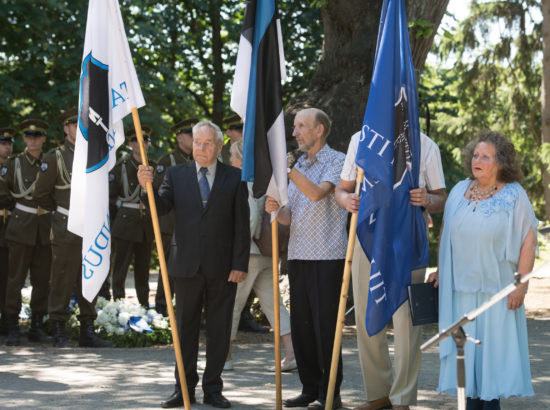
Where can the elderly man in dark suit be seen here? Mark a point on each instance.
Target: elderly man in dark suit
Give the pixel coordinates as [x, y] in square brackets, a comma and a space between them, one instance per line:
[209, 255]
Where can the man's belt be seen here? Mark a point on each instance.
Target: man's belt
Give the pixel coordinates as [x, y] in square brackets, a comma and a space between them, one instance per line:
[133, 205]
[62, 210]
[31, 210]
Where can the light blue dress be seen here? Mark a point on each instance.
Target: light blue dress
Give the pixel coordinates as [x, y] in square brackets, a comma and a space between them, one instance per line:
[478, 255]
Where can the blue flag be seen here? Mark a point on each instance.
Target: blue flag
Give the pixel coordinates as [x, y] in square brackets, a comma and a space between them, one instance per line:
[391, 231]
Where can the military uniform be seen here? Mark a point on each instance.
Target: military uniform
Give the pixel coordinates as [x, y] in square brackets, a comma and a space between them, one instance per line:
[53, 191]
[232, 124]
[132, 230]
[6, 204]
[166, 222]
[28, 237]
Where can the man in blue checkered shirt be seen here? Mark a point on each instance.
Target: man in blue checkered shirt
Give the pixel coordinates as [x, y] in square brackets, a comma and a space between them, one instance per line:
[316, 255]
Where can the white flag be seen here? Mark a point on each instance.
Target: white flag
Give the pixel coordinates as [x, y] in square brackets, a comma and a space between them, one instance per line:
[109, 89]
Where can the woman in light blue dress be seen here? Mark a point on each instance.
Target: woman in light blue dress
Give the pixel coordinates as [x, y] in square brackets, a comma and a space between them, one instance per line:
[488, 233]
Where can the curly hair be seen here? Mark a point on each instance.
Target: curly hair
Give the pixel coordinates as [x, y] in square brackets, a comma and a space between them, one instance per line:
[508, 165]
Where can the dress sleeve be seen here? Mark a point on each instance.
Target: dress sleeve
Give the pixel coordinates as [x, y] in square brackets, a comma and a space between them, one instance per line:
[522, 219]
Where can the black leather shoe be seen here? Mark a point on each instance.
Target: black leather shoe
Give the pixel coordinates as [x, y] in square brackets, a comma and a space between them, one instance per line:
[302, 400]
[176, 400]
[320, 404]
[216, 400]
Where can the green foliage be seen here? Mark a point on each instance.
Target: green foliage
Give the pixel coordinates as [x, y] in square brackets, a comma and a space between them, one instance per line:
[494, 84]
[421, 28]
[184, 53]
[135, 339]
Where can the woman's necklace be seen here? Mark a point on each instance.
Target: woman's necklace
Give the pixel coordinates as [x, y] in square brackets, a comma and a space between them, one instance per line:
[477, 194]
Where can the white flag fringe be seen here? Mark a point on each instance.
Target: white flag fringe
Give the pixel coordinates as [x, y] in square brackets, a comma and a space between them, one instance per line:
[109, 89]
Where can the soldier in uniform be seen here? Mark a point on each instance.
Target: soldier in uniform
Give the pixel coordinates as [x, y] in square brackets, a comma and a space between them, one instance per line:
[183, 130]
[132, 229]
[6, 204]
[235, 133]
[53, 191]
[28, 235]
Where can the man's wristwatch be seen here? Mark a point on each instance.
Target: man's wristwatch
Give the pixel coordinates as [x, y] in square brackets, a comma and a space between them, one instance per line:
[288, 170]
[430, 200]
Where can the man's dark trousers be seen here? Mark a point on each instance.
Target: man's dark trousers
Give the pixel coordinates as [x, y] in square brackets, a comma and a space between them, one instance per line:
[219, 298]
[315, 288]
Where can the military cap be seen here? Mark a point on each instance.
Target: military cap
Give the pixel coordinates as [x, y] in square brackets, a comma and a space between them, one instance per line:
[145, 131]
[233, 123]
[33, 128]
[6, 134]
[69, 116]
[184, 126]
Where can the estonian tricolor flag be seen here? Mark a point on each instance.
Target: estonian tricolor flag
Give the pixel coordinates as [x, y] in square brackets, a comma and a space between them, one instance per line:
[257, 98]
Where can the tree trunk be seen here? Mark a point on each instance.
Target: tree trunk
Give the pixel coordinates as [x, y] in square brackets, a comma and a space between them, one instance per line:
[545, 100]
[341, 83]
[431, 11]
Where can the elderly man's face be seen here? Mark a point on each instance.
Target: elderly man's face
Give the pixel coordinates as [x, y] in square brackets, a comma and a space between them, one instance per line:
[305, 131]
[205, 146]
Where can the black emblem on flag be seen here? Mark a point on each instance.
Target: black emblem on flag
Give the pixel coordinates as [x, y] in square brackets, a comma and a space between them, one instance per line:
[401, 147]
[94, 110]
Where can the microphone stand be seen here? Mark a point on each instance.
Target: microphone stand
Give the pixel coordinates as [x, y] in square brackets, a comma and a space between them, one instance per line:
[460, 337]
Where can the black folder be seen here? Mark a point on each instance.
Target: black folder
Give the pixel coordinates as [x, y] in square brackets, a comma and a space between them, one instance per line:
[423, 301]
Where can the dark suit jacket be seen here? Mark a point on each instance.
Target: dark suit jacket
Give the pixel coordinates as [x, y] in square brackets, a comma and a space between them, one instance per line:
[214, 239]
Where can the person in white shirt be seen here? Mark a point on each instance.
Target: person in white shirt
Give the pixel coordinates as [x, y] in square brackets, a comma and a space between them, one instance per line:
[386, 389]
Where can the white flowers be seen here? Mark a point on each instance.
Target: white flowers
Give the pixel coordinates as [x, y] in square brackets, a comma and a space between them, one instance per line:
[113, 316]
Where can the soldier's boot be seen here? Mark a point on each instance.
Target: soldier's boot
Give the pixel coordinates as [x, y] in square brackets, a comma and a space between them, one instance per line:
[13, 330]
[36, 332]
[88, 337]
[60, 339]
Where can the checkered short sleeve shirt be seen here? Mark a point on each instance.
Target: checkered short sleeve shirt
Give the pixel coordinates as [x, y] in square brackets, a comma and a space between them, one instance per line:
[317, 229]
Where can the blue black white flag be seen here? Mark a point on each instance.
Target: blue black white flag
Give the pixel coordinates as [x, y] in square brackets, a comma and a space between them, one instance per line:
[392, 232]
[257, 98]
[109, 89]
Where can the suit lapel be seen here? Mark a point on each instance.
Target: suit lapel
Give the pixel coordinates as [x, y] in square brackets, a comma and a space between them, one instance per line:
[218, 182]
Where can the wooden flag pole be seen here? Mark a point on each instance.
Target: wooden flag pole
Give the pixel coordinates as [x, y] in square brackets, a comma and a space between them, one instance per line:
[276, 311]
[162, 263]
[343, 299]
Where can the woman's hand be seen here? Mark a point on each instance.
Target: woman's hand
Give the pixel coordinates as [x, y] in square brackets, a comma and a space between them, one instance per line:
[516, 298]
[434, 277]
